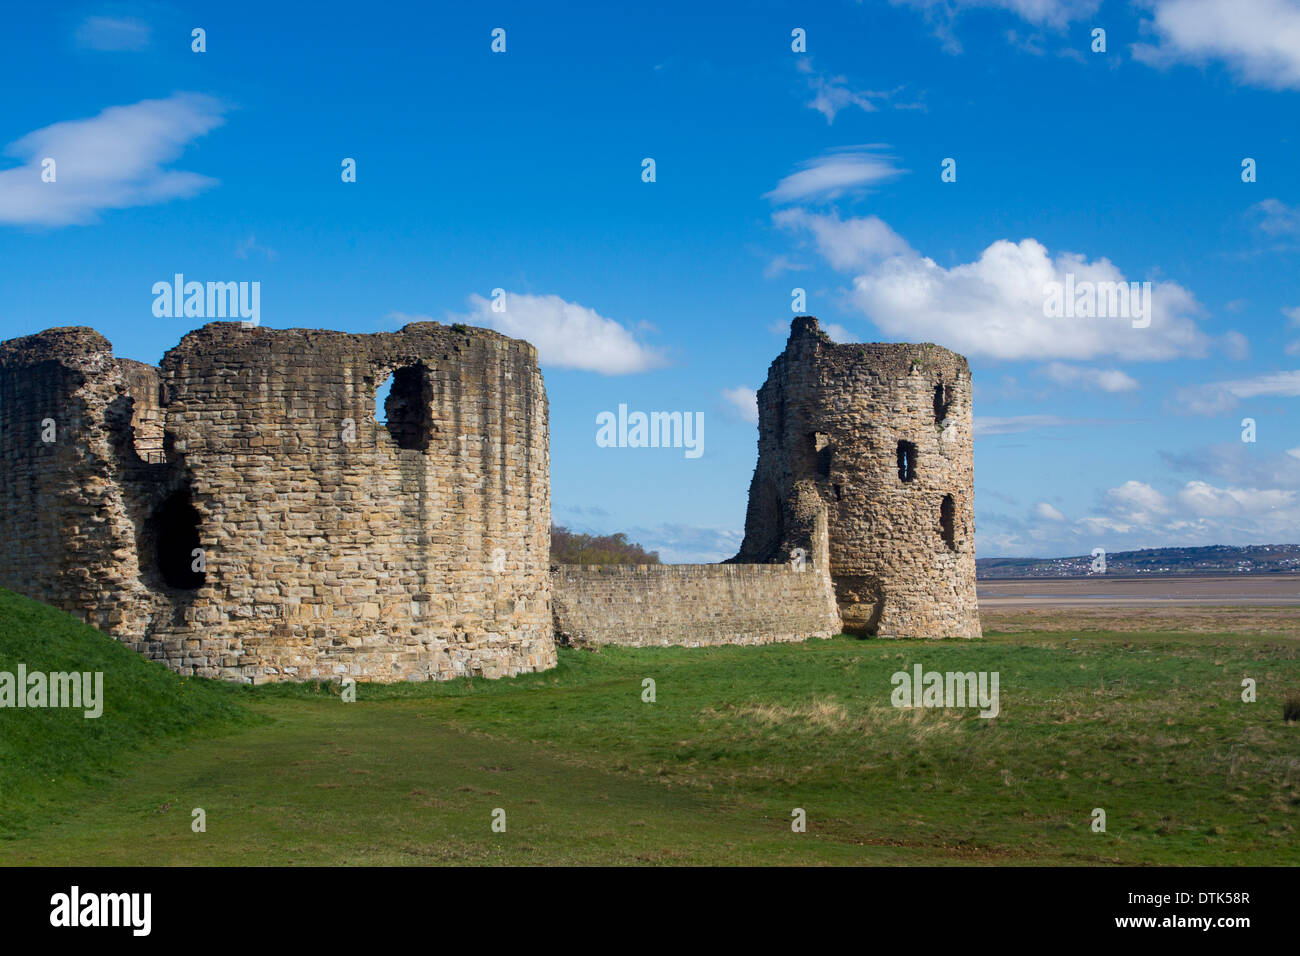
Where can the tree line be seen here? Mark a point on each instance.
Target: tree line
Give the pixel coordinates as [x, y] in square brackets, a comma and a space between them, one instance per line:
[570, 547]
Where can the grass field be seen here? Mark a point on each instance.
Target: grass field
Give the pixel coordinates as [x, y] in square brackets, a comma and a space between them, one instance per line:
[1148, 726]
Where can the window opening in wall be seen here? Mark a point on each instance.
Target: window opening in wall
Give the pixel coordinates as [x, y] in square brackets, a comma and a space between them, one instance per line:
[824, 452]
[147, 435]
[942, 402]
[947, 521]
[381, 399]
[407, 402]
[906, 461]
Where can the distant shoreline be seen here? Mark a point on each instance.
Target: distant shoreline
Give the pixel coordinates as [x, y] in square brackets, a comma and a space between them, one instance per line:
[1116, 591]
[1215, 560]
[1138, 575]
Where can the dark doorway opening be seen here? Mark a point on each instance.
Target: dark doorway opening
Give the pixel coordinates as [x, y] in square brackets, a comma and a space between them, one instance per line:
[906, 461]
[176, 533]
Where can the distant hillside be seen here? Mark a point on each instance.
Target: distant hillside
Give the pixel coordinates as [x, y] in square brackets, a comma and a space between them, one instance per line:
[1215, 559]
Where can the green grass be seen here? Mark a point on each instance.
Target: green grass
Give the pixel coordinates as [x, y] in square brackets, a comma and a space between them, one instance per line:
[50, 757]
[1150, 727]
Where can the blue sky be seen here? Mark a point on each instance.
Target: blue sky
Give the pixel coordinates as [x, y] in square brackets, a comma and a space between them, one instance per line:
[774, 169]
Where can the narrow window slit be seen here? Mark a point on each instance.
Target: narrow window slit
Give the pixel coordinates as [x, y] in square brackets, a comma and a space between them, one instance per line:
[906, 461]
[947, 521]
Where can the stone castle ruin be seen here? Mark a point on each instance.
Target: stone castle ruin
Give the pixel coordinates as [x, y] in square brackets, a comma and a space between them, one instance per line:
[865, 464]
[241, 512]
[329, 544]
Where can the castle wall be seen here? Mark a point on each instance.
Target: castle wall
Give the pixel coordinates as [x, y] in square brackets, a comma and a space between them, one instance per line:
[880, 436]
[691, 604]
[147, 416]
[66, 538]
[238, 512]
[331, 545]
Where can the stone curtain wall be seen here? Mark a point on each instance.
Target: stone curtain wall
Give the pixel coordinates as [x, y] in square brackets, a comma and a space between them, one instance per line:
[691, 604]
[330, 549]
[879, 437]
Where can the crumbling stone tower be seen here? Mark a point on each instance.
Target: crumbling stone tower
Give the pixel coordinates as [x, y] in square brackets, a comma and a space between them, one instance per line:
[240, 513]
[874, 442]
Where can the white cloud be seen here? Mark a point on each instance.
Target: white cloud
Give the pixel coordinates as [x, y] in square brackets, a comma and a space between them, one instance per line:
[838, 333]
[1137, 501]
[678, 543]
[1047, 13]
[1258, 39]
[850, 244]
[1293, 317]
[986, 425]
[835, 173]
[110, 161]
[1056, 14]
[251, 245]
[994, 306]
[833, 94]
[1032, 44]
[1234, 345]
[1217, 397]
[1104, 379]
[1237, 463]
[1276, 218]
[567, 335]
[781, 264]
[1047, 512]
[1098, 524]
[744, 401]
[1137, 515]
[113, 34]
[1205, 500]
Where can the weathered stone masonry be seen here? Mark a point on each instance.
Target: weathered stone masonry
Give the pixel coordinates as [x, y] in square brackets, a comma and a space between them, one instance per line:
[693, 605]
[238, 512]
[334, 546]
[876, 441]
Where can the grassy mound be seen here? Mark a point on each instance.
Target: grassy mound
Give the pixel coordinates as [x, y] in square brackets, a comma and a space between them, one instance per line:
[49, 755]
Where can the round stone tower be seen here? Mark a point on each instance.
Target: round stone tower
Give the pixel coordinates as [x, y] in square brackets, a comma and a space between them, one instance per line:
[248, 511]
[874, 441]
